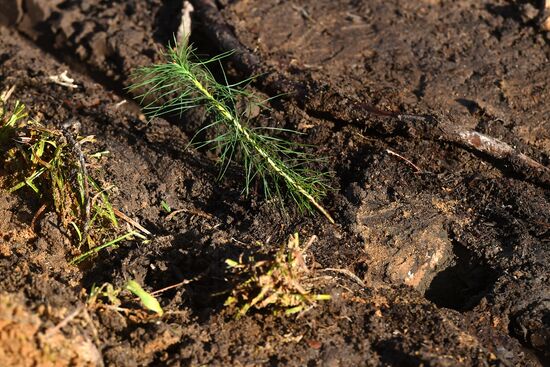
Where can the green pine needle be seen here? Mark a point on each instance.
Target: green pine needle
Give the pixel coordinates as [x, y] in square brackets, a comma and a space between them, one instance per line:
[183, 83]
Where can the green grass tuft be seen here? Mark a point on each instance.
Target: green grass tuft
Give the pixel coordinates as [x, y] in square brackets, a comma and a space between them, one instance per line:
[53, 164]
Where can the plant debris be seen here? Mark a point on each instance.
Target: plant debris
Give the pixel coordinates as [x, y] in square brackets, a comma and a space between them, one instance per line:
[279, 283]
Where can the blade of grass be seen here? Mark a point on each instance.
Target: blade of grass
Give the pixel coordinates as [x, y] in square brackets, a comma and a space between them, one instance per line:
[96, 249]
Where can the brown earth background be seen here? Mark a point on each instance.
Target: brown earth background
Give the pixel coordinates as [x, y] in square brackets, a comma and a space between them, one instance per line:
[448, 255]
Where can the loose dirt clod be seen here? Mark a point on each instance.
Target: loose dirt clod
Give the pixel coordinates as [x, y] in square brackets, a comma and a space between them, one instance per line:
[22, 343]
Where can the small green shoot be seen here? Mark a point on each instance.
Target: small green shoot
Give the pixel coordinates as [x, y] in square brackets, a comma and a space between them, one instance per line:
[9, 119]
[280, 283]
[95, 250]
[183, 82]
[149, 301]
[43, 161]
[105, 290]
[112, 295]
[164, 205]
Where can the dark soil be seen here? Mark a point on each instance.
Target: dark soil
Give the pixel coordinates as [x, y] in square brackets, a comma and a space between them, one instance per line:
[452, 259]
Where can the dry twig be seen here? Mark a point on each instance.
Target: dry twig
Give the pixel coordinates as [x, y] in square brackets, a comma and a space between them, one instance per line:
[391, 152]
[184, 29]
[64, 80]
[196, 212]
[51, 331]
[130, 221]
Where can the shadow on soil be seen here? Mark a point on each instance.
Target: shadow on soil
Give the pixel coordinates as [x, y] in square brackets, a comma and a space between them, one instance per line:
[462, 285]
[391, 355]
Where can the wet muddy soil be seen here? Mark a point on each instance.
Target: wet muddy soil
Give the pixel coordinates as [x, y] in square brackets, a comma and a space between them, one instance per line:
[439, 255]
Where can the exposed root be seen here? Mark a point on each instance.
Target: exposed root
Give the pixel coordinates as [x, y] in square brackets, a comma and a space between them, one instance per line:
[497, 150]
[64, 80]
[408, 161]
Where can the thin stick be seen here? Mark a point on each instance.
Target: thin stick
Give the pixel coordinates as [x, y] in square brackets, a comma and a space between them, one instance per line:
[36, 215]
[310, 242]
[348, 273]
[196, 212]
[6, 94]
[183, 282]
[96, 249]
[88, 318]
[48, 333]
[405, 159]
[134, 223]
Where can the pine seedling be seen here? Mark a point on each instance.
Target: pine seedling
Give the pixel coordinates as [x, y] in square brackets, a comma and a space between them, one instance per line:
[183, 82]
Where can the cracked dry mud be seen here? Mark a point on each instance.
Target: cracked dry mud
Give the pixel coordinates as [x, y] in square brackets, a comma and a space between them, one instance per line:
[452, 260]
